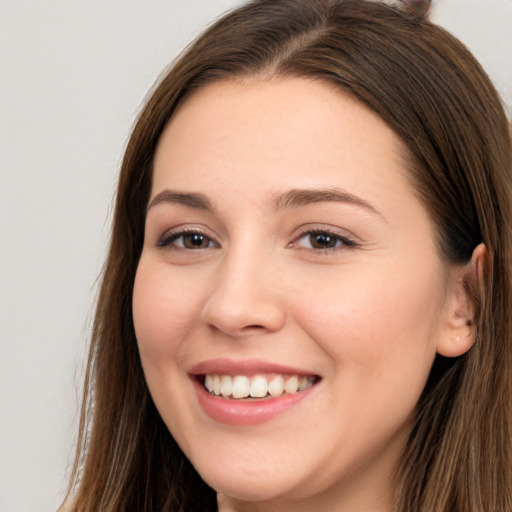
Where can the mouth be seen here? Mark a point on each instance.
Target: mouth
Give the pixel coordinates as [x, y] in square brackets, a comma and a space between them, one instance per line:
[250, 392]
[256, 387]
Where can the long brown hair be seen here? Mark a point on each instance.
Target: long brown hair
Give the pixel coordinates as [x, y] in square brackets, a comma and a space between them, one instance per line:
[432, 92]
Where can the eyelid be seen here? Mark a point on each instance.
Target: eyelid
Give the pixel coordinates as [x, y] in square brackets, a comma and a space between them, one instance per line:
[348, 240]
[169, 236]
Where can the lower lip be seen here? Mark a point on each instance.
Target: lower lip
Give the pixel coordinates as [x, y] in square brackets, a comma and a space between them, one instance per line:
[246, 412]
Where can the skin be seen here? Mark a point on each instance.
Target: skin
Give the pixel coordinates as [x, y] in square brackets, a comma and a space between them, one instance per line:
[367, 316]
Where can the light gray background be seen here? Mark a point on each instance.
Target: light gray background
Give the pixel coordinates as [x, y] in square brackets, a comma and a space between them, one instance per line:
[72, 76]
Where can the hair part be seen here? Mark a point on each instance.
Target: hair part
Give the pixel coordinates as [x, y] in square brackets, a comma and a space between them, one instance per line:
[435, 96]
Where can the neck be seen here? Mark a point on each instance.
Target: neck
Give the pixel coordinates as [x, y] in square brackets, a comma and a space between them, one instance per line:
[378, 498]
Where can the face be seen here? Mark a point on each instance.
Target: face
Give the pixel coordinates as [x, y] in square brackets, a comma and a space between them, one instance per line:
[289, 297]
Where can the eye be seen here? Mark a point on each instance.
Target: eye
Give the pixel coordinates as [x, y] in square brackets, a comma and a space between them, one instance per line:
[187, 240]
[324, 240]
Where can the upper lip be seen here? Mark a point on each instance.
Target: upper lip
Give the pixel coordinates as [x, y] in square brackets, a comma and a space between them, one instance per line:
[225, 366]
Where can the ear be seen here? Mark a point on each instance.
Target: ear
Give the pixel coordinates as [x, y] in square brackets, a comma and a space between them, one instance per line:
[459, 332]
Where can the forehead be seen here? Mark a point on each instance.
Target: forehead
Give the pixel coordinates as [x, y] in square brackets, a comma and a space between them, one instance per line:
[270, 136]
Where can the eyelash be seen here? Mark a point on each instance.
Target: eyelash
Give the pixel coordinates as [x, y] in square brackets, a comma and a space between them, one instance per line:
[171, 237]
[341, 241]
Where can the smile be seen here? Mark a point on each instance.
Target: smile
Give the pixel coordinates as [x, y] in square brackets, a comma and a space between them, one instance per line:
[242, 387]
[250, 392]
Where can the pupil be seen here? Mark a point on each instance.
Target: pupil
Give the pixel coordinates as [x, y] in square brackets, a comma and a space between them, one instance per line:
[194, 241]
[322, 240]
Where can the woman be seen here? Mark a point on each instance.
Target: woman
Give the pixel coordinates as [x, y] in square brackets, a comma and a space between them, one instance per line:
[306, 301]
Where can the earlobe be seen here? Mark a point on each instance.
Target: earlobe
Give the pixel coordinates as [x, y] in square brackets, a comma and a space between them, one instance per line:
[458, 343]
[459, 332]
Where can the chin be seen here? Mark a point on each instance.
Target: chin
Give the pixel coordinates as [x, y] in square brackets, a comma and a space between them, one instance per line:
[249, 485]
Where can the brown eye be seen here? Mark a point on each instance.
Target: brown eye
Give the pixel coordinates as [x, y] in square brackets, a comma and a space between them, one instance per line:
[322, 241]
[195, 241]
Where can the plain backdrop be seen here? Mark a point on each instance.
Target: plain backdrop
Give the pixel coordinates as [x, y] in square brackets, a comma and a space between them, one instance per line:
[72, 77]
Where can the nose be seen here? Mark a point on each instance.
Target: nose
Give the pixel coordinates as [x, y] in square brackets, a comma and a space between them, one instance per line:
[245, 297]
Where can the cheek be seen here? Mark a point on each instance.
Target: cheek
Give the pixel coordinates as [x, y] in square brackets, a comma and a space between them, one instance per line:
[382, 322]
[163, 315]
[163, 310]
[379, 337]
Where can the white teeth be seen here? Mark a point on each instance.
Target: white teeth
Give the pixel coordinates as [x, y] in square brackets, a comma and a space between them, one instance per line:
[276, 386]
[241, 386]
[305, 383]
[226, 385]
[208, 383]
[291, 385]
[259, 386]
[216, 384]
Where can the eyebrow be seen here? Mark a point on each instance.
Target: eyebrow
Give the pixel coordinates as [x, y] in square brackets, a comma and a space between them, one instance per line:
[291, 199]
[302, 197]
[191, 200]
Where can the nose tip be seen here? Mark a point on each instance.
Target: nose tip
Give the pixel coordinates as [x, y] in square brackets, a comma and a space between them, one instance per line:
[243, 304]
